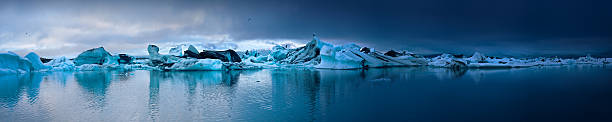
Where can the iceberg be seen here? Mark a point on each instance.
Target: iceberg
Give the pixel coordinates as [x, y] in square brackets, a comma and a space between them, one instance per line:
[478, 58]
[279, 53]
[156, 59]
[192, 60]
[176, 51]
[393, 53]
[180, 49]
[448, 61]
[11, 63]
[225, 56]
[90, 67]
[591, 60]
[320, 54]
[36, 62]
[191, 52]
[125, 59]
[339, 58]
[351, 56]
[308, 54]
[197, 64]
[93, 56]
[315, 54]
[61, 64]
[257, 53]
[192, 49]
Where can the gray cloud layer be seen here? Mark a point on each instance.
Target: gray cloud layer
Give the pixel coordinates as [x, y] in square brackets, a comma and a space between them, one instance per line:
[499, 27]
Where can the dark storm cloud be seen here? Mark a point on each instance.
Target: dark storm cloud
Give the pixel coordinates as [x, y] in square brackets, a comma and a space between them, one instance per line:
[514, 26]
[494, 27]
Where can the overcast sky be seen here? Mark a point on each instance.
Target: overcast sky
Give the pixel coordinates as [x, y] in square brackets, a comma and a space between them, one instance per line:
[493, 27]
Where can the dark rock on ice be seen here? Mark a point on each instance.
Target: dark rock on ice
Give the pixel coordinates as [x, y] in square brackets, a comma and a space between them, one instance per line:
[191, 54]
[225, 56]
[124, 59]
[458, 55]
[365, 50]
[392, 53]
[45, 60]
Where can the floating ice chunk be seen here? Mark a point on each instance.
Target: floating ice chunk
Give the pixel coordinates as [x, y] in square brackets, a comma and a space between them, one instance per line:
[591, 60]
[197, 64]
[156, 59]
[477, 58]
[11, 63]
[35, 60]
[137, 67]
[91, 67]
[260, 59]
[111, 60]
[308, 54]
[92, 56]
[350, 56]
[339, 58]
[193, 49]
[225, 56]
[176, 51]
[153, 51]
[61, 64]
[279, 53]
[260, 65]
[448, 61]
[243, 65]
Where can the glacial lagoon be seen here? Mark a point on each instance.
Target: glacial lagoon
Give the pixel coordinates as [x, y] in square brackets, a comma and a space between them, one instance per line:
[547, 93]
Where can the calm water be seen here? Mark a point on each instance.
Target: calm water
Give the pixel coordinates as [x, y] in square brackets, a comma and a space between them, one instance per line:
[562, 93]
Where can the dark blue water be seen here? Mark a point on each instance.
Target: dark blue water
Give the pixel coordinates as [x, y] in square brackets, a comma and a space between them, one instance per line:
[561, 93]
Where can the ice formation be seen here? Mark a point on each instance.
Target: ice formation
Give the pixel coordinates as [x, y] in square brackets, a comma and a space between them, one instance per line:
[61, 64]
[11, 63]
[36, 62]
[351, 56]
[315, 54]
[197, 64]
[448, 61]
[93, 56]
[279, 53]
[157, 59]
[225, 56]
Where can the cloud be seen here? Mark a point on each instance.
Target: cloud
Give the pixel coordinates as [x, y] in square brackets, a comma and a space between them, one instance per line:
[68, 27]
[53, 32]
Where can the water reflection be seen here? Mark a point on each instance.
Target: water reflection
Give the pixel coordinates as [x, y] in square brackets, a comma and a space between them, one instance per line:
[415, 93]
[94, 85]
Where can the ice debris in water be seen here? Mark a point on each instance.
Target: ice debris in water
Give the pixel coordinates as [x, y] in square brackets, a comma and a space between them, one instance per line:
[197, 64]
[61, 64]
[315, 54]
